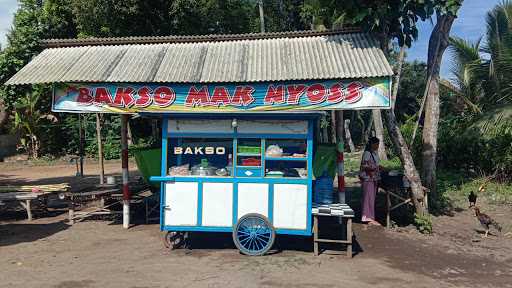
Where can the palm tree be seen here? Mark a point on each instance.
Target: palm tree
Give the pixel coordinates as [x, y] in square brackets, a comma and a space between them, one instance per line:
[483, 73]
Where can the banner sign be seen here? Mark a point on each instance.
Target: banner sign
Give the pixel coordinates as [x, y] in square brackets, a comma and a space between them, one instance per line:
[254, 97]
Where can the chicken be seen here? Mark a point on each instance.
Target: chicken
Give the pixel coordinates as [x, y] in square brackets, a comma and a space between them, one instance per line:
[472, 199]
[481, 188]
[486, 221]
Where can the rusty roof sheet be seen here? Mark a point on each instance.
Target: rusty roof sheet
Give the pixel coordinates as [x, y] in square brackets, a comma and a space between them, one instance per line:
[276, 58]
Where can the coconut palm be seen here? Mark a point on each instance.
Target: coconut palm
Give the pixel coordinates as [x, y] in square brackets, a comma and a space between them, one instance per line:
[483, 72]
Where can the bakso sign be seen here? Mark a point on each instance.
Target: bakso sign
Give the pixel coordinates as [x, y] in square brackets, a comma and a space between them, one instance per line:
[199, 150]
[279, 96]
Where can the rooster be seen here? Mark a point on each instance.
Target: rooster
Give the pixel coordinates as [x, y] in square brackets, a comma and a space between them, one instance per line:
[486, 221]
[472, 199]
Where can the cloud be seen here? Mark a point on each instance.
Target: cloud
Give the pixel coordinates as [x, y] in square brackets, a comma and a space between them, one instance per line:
[7, 10]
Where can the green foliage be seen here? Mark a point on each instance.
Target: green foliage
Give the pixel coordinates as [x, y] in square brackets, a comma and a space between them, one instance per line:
[464, 147]
[325, 160]
[27, 120]
[410, 91]
[423, 223]
[22, 44]
[392, 164]
[479, 138]
[454, 188]
[389, 19]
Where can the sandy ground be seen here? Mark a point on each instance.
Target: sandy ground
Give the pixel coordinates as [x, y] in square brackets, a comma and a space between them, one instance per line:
[48, 252]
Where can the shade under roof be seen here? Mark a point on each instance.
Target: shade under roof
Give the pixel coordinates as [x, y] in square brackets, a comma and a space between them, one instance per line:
[282, 57]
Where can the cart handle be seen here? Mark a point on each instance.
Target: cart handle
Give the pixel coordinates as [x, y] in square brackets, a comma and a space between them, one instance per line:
[161, 178]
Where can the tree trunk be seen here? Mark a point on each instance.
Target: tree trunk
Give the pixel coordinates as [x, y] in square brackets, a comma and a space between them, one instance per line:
[3, 114]
[367, 131]
[401, 148]
[437, 45]
[379, 133]
[262, 16]
[398, 73]
[348, 136]
[403, 152]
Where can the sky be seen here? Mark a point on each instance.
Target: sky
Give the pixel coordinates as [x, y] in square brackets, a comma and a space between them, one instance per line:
[469, 25]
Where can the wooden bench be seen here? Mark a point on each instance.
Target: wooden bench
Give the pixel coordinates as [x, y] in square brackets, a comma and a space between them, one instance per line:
[340, 211]
[24, 198]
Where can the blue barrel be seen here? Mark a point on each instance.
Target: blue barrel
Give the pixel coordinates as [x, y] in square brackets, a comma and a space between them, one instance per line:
[323, 190]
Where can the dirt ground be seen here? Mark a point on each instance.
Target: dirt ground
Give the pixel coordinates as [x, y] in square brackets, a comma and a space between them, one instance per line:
[48, 252]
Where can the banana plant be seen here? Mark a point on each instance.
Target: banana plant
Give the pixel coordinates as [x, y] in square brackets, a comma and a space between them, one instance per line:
[27, 122]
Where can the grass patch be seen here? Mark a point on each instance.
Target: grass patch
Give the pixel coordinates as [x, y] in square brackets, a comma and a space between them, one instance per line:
[392, 164]
[454, 187]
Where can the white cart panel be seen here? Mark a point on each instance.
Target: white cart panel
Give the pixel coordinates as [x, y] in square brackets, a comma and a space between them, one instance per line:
[273, 126]
[252, 198]
[199, 126]
[217, 204]
[290, 206]
[181, 203]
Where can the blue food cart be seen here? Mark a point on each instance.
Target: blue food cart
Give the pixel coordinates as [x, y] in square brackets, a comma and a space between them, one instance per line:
[249, 174]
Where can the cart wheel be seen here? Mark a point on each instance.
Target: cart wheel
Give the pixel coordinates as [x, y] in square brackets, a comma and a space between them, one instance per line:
[173, 240]
[254, 235]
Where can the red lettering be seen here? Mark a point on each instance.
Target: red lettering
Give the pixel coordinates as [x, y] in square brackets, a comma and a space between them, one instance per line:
[124, 97]
[316, 93]
[103, 96]
[294, 93]
[354, 93]
[243, 96]
[336, 93]
[164, 96]
[84, 96]
[144, 99]
[220, 96]
[196, 97]
[275, 95]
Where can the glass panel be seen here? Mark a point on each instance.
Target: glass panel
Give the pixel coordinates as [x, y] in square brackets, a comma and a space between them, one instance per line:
[200, 157]
[288, 169]
[249, 152]
[285, 148]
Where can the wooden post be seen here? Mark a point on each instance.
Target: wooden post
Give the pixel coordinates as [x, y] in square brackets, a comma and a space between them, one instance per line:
[81, 136]
[339, 125]
[315, 234]
[100, 149]
[71, 212]
[349, 237]
[124, 158]
[28, 208]
[388, 210]
[333, 127]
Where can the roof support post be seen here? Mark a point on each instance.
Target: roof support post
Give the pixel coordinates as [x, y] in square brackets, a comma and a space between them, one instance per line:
[124, 161]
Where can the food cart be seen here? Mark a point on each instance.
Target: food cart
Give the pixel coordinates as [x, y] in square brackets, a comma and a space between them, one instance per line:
[238, 117]
[249, 174]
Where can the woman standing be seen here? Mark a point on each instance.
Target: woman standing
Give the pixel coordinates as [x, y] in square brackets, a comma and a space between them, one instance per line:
[370, 175]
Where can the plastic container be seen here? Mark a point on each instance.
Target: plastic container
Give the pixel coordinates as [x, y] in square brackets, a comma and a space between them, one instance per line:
[249, 149]
[323, 190]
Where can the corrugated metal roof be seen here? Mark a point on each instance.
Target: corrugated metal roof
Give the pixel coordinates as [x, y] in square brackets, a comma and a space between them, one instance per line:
[329, 56]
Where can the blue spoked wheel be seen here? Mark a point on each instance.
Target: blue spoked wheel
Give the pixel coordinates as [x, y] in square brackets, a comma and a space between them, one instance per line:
[254, 235]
